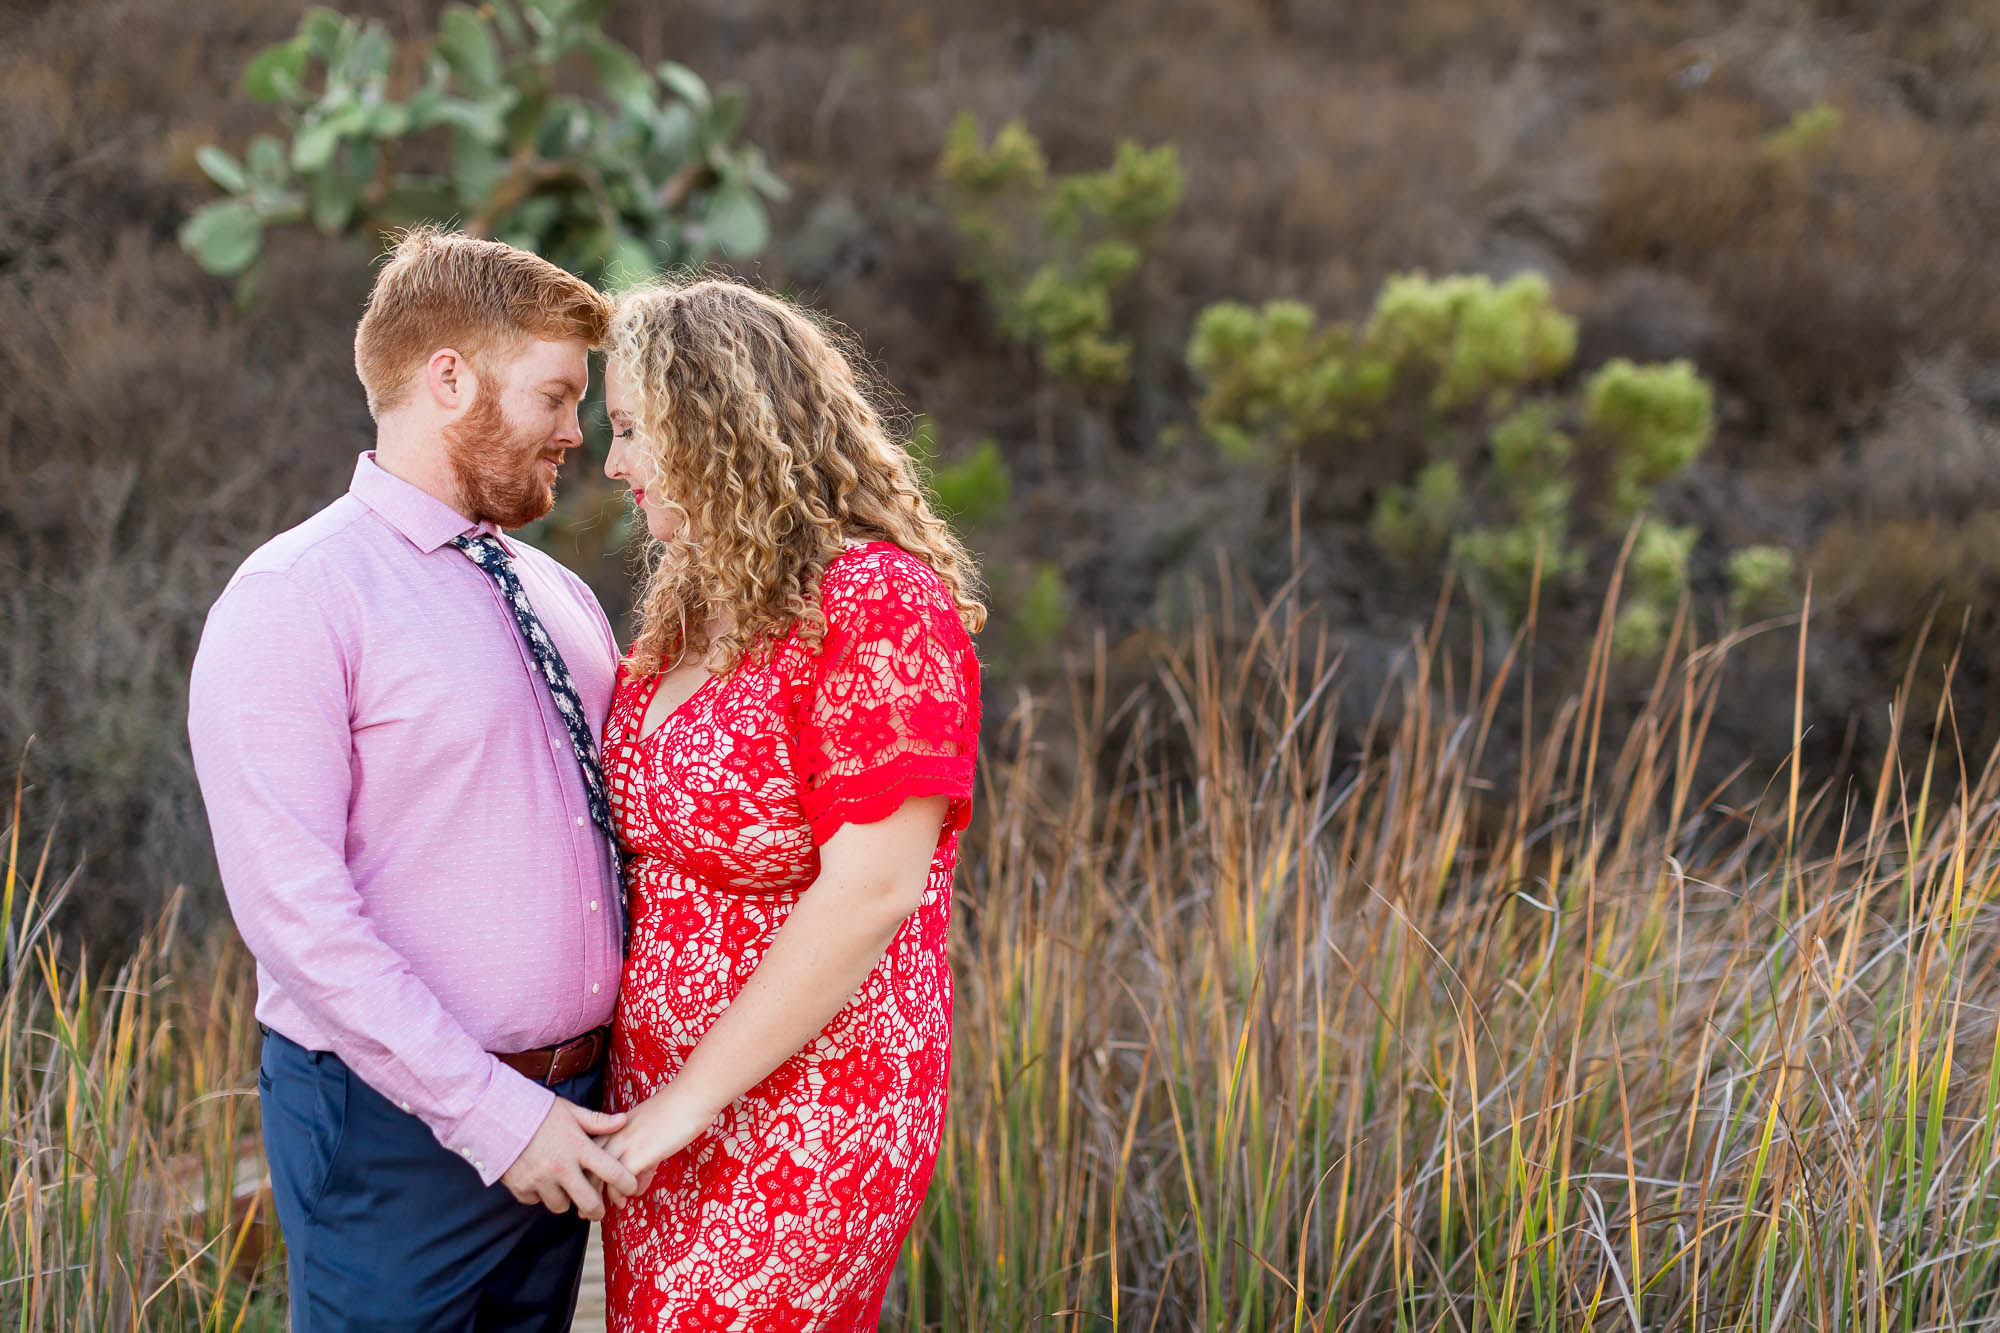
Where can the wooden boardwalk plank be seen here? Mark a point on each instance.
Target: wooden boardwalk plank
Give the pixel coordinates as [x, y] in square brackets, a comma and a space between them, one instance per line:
[590, 1301]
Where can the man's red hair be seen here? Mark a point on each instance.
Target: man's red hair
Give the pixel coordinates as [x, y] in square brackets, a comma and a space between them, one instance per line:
[446, 289]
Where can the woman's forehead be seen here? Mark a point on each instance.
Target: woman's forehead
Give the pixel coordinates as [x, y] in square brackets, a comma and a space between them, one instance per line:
[617, 390]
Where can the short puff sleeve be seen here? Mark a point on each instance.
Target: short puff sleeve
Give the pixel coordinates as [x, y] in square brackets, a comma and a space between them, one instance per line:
[893, 711]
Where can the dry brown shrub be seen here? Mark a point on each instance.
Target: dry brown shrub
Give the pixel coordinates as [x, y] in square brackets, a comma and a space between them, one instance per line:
[1921, 589]
[1889, 574]
[1824, 264]
[1935, 451]
[149, 437]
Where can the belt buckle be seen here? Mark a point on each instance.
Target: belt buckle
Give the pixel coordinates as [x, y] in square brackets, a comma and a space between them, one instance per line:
[557, 1053]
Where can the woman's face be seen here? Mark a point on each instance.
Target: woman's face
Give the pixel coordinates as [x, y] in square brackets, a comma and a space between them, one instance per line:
[628, 460]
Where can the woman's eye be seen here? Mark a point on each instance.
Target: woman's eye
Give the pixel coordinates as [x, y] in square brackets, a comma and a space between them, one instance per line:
[625, 434]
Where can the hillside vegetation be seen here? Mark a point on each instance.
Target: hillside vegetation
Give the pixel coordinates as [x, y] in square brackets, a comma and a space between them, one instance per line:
[1790, 199]
[1340, 1035]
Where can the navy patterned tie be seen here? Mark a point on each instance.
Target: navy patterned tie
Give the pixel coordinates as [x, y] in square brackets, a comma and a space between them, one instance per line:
[486, 552]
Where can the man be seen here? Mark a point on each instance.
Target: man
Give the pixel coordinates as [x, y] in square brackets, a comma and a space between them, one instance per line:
[393, 715]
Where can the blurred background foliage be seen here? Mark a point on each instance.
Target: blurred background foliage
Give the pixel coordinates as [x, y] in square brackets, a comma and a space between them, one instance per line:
[1520, 294]
[611, 187]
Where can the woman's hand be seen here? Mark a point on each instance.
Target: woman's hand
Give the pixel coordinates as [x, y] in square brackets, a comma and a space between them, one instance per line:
[655, 1130]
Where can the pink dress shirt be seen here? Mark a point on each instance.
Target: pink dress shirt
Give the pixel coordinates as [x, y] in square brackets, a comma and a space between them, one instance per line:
[399, 819]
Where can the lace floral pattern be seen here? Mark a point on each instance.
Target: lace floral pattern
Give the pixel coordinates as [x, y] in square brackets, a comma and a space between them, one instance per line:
[789, 1213]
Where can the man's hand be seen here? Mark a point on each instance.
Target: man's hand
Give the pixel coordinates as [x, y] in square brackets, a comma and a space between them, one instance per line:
[551, 1169]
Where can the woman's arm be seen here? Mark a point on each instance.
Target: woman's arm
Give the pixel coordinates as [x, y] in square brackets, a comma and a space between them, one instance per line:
[871, 877]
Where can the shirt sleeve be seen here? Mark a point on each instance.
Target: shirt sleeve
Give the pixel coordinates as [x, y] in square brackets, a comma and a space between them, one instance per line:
[268, 726]
[894, 708]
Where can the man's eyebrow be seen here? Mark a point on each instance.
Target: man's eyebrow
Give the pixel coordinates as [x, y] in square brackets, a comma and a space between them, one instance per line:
[564, 382]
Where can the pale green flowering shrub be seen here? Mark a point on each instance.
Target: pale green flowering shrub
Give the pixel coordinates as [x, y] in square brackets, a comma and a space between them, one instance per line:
[1274, 380]
[1809, 132]
[1656, 573]
[1053, 255]
[1449, 401]
[1468, 338]
[1417, 520]
[1659, 417]
[1761, 580]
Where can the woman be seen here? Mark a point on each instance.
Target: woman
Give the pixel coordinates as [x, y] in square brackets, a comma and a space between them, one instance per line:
[790, 759]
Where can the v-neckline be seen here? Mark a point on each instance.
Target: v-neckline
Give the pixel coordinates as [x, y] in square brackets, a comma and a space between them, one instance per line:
[641, 735]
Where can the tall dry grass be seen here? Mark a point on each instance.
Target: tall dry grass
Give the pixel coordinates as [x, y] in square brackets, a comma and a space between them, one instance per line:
[127, 1121]
[1326, 1034]
[1266, 1022]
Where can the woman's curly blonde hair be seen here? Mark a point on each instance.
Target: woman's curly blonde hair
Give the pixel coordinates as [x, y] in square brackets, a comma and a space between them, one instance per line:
[754, 424]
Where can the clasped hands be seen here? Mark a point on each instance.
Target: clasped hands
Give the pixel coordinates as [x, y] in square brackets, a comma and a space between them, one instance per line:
[575, 1150]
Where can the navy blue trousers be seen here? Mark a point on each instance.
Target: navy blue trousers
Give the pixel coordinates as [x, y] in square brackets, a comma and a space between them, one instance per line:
[388, 1230]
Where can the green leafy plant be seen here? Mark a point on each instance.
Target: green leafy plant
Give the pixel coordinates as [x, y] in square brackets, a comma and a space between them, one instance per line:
[1468, 339]
[1660, 418]
[1656, 574]
[1448, 402]
[972, 491]
[975, 490]
[1273, 380]
[1761, 579]
[1054, 254]
[473, 124]
[1044, 608]
[1412, 521]
[1808, 132]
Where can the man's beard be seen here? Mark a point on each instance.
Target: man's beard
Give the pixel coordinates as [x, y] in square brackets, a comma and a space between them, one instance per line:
[499, 473]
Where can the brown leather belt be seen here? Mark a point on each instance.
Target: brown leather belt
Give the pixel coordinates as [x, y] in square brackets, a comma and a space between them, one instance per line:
[552, 1064]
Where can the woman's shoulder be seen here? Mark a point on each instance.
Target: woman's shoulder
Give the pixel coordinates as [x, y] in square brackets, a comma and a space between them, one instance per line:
[873, 570]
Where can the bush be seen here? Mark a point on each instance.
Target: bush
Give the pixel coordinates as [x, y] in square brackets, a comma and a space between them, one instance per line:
[1454, 386]
[1826, 245]
[971, 492]
[1053, 255]
[1760, 579]
[1660, 417]
[615, 188]
[1468, 340]
[1810, 131]
[1271, 381]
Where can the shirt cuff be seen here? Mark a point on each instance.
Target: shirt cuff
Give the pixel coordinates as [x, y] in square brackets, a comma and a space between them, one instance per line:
[501, 1122]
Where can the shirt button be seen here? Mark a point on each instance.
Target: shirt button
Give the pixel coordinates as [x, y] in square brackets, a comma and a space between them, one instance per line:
[593, 907]
[404, 1105]
[593, 988]
[581, 821]
[479, 1166]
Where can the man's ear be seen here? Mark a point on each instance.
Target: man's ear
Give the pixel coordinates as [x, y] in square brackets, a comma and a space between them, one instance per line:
[450, 379]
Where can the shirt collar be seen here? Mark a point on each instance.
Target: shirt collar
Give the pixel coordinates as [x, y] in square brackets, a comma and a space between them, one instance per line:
[425, 520]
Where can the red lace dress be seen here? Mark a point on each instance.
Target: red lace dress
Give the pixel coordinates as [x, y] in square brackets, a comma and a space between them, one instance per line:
[789, 1212]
